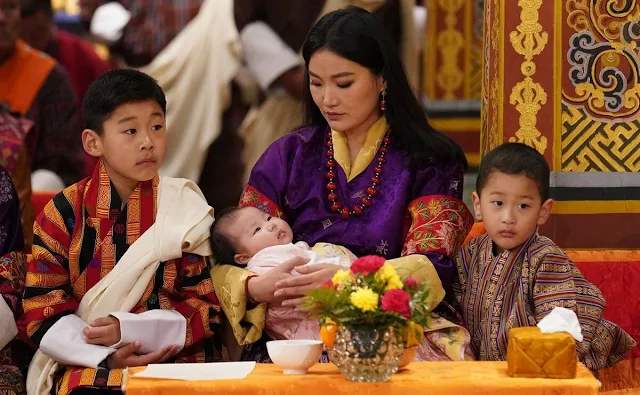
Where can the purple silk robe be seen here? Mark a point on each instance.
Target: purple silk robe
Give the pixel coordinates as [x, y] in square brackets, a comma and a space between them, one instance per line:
[415, 210]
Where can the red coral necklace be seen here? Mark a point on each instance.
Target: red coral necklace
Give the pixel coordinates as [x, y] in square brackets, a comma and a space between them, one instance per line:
[365, 202]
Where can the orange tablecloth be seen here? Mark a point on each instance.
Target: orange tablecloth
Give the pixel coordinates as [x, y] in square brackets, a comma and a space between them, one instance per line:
[468, 378]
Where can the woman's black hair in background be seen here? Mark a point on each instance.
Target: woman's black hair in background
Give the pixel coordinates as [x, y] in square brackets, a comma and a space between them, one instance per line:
[356, 35]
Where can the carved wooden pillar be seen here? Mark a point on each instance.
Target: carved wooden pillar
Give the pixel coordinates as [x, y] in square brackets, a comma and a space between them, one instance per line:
[452, 70]
[563, 76]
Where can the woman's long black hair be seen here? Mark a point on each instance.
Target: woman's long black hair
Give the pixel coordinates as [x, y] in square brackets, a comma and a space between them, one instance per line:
[356, 35]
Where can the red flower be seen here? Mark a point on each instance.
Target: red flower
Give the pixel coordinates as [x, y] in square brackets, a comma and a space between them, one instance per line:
[397, 301]
[328, 284]
[411, 283]
[367, 264]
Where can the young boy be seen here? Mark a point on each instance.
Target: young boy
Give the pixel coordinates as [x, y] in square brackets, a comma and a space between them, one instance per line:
[118, 276]
[253, 239]
[513, 277]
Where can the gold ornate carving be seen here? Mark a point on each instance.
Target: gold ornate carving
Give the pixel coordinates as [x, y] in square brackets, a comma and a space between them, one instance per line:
[450, 42]
[491, 89]
[598, 146]
[605, 18]
[475, 51]
[604, 62]
[527, 95]
[601, 105]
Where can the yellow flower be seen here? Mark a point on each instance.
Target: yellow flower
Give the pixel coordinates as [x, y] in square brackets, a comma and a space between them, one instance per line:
[364, 299]
[394, 282]
[388, 275]
[341, 276]
[386, 272]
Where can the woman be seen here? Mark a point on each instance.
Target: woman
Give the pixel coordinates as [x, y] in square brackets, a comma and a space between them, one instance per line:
[368, 173]
[272, 35]
[14, 356]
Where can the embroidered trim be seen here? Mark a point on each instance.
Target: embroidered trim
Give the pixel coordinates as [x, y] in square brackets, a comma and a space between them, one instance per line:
[438, 223]
[251, 197]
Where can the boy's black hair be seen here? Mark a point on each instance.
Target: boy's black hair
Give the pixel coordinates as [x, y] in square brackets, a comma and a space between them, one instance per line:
[115, 88]
[223, 250]
[515, 158]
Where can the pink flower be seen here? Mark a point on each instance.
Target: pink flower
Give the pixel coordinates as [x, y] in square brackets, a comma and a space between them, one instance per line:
[411, 283]
[329, 284]
[367, 264]
[397, 301]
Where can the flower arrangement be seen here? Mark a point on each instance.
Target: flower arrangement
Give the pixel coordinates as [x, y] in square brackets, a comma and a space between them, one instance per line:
[371, 294]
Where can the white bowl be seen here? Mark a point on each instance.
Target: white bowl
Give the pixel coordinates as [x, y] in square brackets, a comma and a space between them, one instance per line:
[294, 356]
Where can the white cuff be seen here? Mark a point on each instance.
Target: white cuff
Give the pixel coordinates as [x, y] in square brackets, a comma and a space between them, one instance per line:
[266, 55]
[155, 329]
[65, 343]
[8, 328]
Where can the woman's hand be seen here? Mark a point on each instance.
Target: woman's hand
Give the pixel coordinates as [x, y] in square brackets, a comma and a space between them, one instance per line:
[311, 277]
[262, 288]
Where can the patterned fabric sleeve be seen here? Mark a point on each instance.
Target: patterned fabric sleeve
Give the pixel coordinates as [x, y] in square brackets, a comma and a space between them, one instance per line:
[559, 283]
[12, 274]
[251, 197]
[463, 261]
[438, 220]
[554, 287]
[48, 295]
[196, 301]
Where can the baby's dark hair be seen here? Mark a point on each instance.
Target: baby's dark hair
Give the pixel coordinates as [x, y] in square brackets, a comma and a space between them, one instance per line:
[222, 246]
[115, 88]
[515, 158]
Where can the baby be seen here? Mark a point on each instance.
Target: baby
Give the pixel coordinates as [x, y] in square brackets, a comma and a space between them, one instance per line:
[250, 238]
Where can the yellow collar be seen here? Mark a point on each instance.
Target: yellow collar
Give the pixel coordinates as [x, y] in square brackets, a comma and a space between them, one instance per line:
[366, 154]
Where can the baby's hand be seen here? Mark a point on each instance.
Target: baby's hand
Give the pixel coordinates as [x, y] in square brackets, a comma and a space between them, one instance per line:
[104, 331]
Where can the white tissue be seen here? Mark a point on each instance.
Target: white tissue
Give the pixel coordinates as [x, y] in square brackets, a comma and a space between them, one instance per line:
[561, 320]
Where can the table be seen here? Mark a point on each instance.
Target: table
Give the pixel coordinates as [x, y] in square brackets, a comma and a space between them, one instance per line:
[468, 378]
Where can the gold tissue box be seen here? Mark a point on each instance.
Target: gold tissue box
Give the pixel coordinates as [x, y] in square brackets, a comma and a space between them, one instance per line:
[534, 354]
